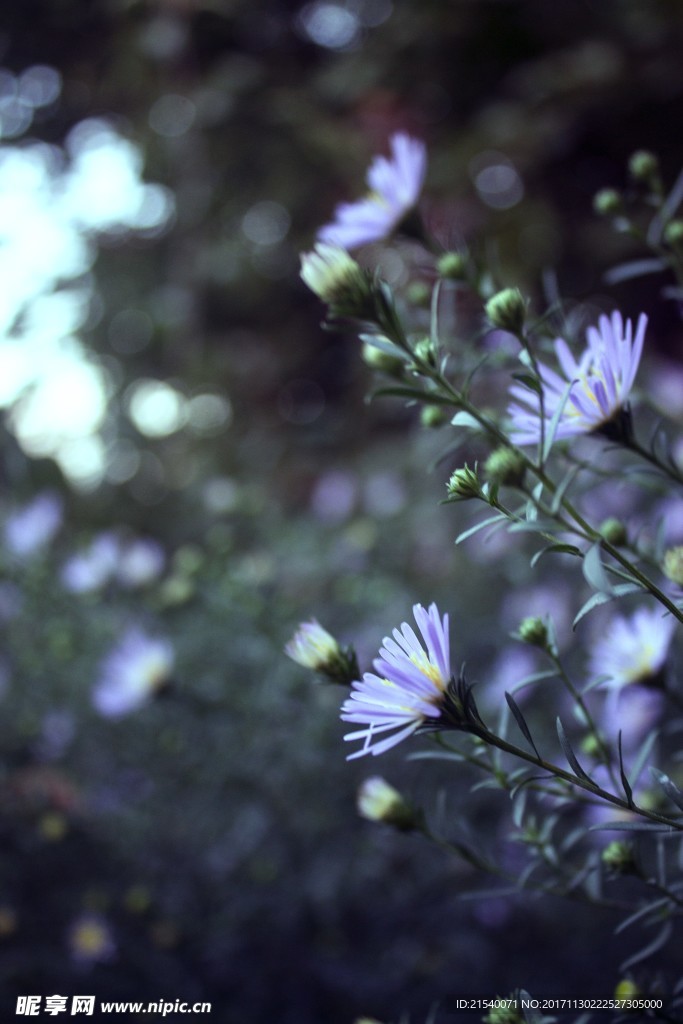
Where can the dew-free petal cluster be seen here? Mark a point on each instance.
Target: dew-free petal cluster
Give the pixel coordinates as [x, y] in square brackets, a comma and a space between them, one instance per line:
[395, 185]
[407, 688]
[633, 649]
[132, 672]
[312, 646]
[601, 381]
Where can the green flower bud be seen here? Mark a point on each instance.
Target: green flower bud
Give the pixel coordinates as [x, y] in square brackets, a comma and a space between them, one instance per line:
[505, 466]
[627, 989]
[432, 416]
[534, 631]
[378, 801]
[619, 857]
[673, 233]
[590, 746]
[425, 350]
[382, 361]
[507, 310]
[673, 564]
[613, 531]
[464, 484]
[502, 1014]
[419, 294]
[607, 202]
[452, 265]
[643, 165]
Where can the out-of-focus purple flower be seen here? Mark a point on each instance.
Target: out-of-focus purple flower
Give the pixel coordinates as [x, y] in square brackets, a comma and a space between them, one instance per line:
[634, 712]
[395, 186]
[141, 562]
[633, 649]
[334, 495]
[134, 670]
[90, 939]
[513, 664]
[407, 689]
[602, 380]
[92, 568]
[31, 528]
[132, 563]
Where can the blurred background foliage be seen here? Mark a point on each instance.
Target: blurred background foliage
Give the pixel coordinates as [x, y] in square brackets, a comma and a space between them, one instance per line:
[206, 845]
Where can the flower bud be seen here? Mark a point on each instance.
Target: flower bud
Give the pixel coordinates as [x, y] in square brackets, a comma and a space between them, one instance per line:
[619, 857]
[418, 293]
[507, 310]
[590, 745]
[627, 989]
[425, 350]
[673, 233]
[607, 202]
[378, 801]
[673, 564]
[613, 531]
[432, 416]
[315, 648]
[534, 631]
[643, 165]
[452, 265]
[503, 1013]
[338, 280]
[505, 466]
[382, 361]
[463, 485]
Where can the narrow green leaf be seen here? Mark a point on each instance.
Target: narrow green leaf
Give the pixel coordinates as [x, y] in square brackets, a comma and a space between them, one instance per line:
[384, 345]
[528, 381]
[594, 571]
[560, 549]
[434, 312]
[632, 826]
[670, 788]
[465, 419]
[521, 722]
[597, 599]
[569, 753]
[643, 754]
[624, 778]
[491, 521]
[563, 487]
[634, 268]
[551, 429]
[657, 943]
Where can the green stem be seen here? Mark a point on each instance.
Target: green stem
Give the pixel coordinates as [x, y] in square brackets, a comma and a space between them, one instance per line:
[586, 784]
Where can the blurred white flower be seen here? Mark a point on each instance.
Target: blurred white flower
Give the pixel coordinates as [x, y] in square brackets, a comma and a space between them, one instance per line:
[633, 649]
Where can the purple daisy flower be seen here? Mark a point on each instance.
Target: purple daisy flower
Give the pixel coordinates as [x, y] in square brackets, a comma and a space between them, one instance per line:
[136, 668]
[395, 186]
[601, 382]
[407, 689]
[633, 649]
[30, 529]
